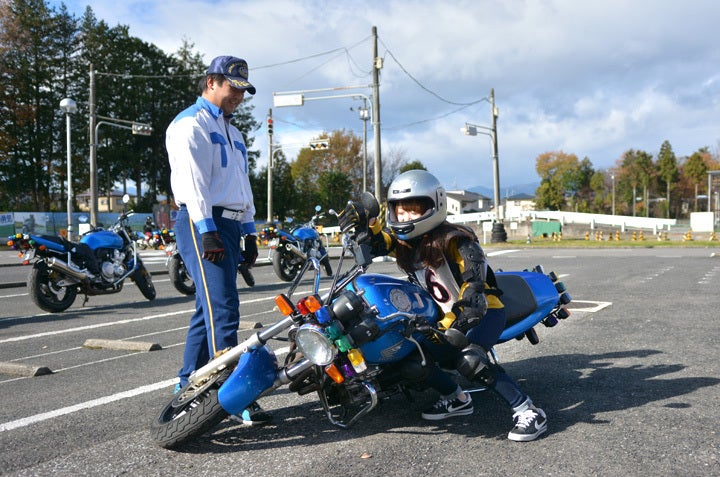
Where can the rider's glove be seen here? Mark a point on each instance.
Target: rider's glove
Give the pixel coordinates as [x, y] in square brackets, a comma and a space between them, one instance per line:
[250, 254]
[213, 248]
[352, 216]
[470, 309]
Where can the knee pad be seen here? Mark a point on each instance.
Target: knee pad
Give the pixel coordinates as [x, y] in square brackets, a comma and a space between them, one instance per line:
[473, 362]
[414, 371]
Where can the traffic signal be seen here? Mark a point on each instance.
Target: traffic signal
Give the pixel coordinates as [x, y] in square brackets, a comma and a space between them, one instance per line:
[142, 129]
[317, 145]
[270, 126]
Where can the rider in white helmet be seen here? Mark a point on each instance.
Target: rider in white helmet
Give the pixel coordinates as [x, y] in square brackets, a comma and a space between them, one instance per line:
[447, 260]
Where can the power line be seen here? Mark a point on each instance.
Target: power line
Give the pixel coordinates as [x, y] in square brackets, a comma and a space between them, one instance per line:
[424, 87]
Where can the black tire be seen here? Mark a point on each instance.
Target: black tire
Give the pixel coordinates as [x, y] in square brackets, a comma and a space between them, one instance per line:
[143, 280]
[283, 268]
[45, 294]
[177, 423]
[179, 276]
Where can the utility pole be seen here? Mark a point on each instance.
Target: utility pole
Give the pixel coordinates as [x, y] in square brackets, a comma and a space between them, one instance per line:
[270, 167]
[498, 230]
[93, 151]
[377, 65]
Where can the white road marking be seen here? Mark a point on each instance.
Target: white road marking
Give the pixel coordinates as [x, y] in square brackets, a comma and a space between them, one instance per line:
[26, 421]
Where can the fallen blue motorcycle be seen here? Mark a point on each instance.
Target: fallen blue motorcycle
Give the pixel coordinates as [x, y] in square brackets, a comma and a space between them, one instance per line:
[96, 265]
[344, 345]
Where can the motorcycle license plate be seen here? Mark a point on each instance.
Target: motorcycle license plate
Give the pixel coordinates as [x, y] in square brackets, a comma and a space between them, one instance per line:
[273, 243]
[29, 255]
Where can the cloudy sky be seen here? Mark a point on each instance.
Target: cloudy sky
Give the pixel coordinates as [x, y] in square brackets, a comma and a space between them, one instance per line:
[593, 78]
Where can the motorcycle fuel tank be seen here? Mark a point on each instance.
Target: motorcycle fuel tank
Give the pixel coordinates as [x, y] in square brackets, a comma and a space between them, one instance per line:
[102, 239]
[392, 295]
[305, 233]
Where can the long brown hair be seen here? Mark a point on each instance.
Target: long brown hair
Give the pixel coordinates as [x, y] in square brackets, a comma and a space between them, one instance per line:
[429, 249]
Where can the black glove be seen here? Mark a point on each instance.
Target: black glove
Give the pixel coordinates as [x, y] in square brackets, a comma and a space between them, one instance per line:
[353, 216]
[470, 310]
[213, 248]
[250, 253]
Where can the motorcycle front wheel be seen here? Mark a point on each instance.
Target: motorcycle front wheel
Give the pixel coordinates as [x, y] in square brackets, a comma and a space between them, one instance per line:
[283, 267]
[181, 420]
[143, 280]
[179, 276]
[45, 293]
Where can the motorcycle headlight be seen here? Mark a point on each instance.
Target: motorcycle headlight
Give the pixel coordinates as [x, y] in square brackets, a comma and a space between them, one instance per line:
[314, 345]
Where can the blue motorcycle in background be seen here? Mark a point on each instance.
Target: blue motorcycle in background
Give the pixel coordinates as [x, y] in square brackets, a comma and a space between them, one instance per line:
[292, 249]
[344, 345]
[96, 265]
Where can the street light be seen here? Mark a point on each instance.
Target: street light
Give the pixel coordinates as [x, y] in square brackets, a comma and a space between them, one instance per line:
[298, 98]
[364, 117]
[498, 229]
[612, 177]
[137, 128]
[69, 107]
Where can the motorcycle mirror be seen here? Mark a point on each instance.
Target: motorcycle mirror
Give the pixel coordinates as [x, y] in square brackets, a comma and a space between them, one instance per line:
[126, 198]
[318, 208]
[370, 204]
[456, 338]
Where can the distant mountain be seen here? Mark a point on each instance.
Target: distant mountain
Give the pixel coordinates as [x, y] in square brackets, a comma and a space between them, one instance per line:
[507, 191]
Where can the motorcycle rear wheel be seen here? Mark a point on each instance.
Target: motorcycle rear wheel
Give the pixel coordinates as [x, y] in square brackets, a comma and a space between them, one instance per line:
[177, 423]
[44, 293]
[283, 267]
[143, 280]
[179, 276]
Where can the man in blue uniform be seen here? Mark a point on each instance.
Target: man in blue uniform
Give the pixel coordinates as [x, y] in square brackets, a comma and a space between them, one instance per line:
[210, 182]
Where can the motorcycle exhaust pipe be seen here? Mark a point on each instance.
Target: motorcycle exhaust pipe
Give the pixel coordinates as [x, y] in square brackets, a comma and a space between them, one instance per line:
[292, 248]
[57, 264]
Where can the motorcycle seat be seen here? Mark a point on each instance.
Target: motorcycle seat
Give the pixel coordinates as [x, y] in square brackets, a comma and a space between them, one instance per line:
[54, 239]
[517, 297]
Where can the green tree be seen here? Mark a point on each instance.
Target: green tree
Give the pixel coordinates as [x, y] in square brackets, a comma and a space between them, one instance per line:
[561, 175]
[668, 171]
[599, 196]
[284, 190]
[411, 166]
[549, 196]
[695, 170]
[35, 47]
[335, 188]
[636, 170]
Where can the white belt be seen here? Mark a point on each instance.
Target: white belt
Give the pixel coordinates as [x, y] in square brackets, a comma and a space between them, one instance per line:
[233, 214]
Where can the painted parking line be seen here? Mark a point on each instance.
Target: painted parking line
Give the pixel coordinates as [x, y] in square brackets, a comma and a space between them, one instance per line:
[26, 421]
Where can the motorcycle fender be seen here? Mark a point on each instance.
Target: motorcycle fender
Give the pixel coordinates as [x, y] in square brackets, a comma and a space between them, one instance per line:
[39, 240]
[254, 373]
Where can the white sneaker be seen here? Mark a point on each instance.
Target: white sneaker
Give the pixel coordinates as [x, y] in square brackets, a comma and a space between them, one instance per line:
[529, 425]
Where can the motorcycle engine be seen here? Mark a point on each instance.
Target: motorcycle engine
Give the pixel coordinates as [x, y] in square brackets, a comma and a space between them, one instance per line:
[112, 266]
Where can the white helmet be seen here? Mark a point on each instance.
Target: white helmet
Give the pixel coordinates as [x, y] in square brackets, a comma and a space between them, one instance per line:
[416, 184]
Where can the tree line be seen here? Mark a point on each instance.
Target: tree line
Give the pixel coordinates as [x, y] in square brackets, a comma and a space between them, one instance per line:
[639, 184]
[46, 54]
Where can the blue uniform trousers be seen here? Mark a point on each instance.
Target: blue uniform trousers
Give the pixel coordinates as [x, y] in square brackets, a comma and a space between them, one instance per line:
[214, 325]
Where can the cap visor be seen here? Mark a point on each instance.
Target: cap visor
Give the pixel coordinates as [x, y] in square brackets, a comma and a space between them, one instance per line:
[241, 84]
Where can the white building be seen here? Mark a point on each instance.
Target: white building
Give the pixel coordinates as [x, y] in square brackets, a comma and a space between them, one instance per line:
[464, 202]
